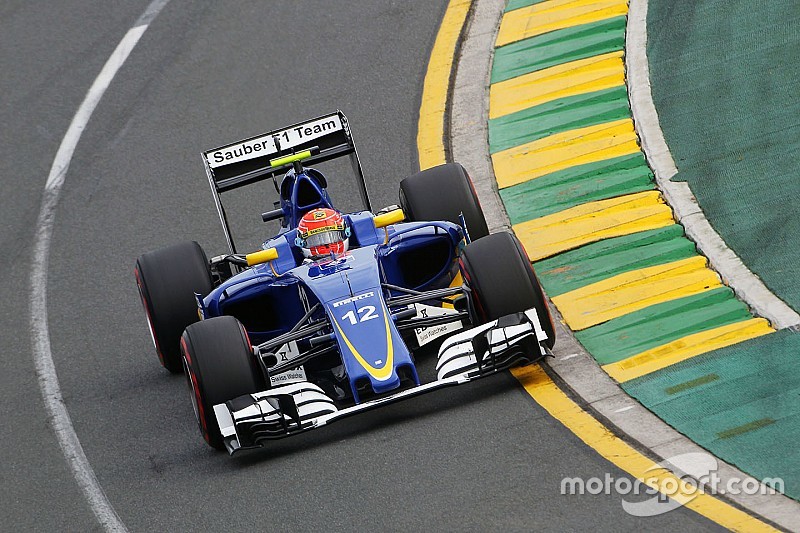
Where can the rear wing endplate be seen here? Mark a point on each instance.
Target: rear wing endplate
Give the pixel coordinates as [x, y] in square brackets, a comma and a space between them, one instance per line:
[248, 161]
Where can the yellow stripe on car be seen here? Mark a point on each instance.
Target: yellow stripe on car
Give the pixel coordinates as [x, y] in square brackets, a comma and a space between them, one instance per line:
[386, 219]
[262, 256]
[383, 373]
[299, 156]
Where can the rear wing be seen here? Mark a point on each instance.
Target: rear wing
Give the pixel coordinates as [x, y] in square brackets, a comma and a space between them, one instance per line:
[249, 161]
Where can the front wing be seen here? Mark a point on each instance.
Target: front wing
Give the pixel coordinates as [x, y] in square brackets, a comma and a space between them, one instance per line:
[250, 420]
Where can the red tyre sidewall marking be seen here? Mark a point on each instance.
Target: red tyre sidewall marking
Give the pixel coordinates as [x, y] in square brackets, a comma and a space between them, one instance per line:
[246, 336]
[250, 347]
[527, 259]
[476, 295]
[474, 192]
[196, 391]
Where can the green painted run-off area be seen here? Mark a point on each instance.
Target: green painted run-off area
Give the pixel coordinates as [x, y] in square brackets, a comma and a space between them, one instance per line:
[725, 78]
[741, 402]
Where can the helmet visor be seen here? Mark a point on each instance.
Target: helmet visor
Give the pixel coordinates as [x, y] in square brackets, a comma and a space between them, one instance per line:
[324, 238]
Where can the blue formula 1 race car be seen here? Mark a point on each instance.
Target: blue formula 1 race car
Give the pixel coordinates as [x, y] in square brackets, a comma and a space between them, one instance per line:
[324, 321]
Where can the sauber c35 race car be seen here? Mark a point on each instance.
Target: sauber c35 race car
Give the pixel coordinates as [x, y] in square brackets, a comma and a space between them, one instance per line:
[280, 341]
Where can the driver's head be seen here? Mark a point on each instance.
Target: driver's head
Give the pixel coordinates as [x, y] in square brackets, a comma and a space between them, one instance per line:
[322, 232]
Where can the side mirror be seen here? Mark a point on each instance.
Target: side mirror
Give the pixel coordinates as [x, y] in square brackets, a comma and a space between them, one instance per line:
[275, 214]
[263, 256]
[387, 219]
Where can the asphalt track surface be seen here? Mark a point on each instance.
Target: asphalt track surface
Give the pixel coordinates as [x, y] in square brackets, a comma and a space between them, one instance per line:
[479, 457]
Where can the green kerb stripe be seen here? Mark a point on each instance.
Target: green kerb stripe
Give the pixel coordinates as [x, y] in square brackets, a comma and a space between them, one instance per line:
[661, 324]
[516, 4]
[577, 185]
[558, 47]
[564, 114]
[601, 260]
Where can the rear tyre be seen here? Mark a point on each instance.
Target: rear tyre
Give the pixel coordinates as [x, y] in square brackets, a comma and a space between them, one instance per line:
[167, 280]
[501, 277]
[442, 193]
[220, 366]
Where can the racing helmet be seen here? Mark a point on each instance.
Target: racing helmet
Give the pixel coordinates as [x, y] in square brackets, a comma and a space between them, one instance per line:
[322, 232]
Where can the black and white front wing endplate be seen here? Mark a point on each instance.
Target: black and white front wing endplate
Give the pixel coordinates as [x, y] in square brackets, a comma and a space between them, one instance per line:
[250, 420]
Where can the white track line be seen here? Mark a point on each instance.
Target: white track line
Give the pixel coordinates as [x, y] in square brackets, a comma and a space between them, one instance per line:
[733, 271]
[42, 355]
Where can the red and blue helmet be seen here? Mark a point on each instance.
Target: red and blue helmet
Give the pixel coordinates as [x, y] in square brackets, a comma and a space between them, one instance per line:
[322, 232]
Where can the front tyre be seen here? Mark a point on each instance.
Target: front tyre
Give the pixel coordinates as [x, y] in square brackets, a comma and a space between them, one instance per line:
[443, 193]
[499, 273]
[167, 280]
[220, 366]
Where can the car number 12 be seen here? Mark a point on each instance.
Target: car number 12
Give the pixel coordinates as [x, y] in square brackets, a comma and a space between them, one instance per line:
[365, 313]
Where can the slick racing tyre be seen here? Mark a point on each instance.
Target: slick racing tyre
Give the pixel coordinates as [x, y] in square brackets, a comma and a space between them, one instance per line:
[499, 273]
[442, 193]
[220, 366]
[167, 280]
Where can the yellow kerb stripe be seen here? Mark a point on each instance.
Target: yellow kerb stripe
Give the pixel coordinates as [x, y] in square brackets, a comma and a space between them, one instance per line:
[564, 150]
[632, 291]
[570, 79]
[593, 221]
[686, 348]
[555, 15]
[430, 130]
[539, 385]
